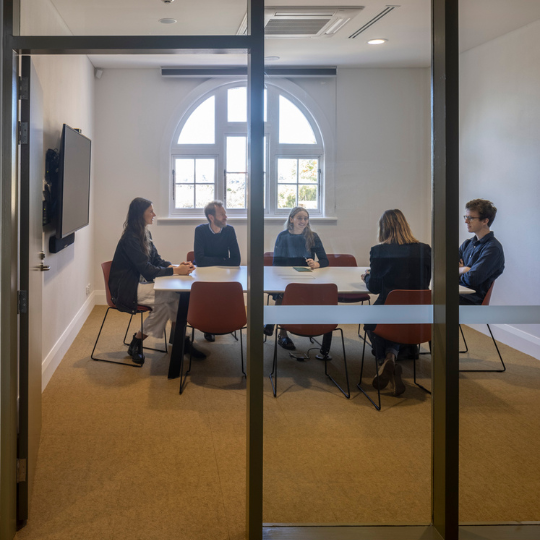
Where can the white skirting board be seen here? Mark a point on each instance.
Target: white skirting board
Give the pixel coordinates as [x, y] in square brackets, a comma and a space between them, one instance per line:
[100, 298]
[513, 337]
[53, 359]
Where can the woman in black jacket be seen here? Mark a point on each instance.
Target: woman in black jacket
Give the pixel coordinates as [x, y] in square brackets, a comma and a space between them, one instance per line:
[135, 264]
[400, 261]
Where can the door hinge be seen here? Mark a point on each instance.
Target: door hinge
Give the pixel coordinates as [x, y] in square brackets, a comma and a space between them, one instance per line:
[24, 88]
[23, 132]
[21, 470]
[22, 301]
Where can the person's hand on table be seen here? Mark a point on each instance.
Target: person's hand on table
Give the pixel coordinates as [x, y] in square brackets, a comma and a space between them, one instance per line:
[364, 275]
[312, 264]
[182, 269]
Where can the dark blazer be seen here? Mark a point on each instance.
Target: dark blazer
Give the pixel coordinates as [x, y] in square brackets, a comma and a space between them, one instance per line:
[129, 263]
[394, 266]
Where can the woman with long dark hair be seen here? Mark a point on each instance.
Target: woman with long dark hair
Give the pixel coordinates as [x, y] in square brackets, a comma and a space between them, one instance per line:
[298, 245]
[135, 265]
[399, 261]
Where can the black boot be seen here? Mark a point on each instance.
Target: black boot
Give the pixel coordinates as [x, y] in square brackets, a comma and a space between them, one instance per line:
[135, 350]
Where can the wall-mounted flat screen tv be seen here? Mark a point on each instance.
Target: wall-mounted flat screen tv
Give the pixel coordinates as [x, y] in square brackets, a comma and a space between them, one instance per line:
[73, 182]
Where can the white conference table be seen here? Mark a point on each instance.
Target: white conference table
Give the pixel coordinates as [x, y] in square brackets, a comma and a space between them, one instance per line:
[276, 279]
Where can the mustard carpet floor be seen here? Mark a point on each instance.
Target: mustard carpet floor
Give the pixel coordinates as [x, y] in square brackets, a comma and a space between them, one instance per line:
[124, 457]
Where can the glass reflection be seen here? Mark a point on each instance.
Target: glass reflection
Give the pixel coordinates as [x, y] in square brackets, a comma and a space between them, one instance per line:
[499, 259]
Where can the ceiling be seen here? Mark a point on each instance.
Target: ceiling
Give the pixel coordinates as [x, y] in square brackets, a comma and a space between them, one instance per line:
[407, 29]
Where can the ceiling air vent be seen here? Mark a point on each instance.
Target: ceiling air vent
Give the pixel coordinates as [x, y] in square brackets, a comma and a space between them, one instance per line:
[375, 19]
[303, 22]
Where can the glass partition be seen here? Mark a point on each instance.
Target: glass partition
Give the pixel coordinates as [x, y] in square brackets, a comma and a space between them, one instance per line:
[167, 137]
[500, 342]
[343, 150]
[120, 18]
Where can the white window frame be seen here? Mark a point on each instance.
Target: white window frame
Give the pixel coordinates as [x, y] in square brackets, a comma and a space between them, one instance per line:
[322, 150]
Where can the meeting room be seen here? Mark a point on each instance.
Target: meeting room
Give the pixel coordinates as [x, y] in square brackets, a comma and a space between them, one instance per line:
[240, 311]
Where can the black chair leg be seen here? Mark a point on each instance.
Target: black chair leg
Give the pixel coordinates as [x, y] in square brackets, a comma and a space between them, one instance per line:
[166, 350]
[183, 377]
[127, 330]
[359, 326]
[242, 353]
[488, 370]
[104, 359]
[359, 385]
[414, 372]
[464, 341]
[192, 340]
[273, 373]
[348, 393]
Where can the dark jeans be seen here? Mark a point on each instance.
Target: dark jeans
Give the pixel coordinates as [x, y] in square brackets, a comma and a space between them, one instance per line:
[382, 346]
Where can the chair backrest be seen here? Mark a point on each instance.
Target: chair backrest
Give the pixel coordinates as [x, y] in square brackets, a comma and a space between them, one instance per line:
[106, 267]
[487, 298]
[217, 307]
[268, 258]
[190, 257]
[341, 259]
[407, 334]
[310, 294]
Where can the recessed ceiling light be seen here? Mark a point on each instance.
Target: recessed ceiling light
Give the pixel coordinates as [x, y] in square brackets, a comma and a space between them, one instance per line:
[377, 41]
[167, 21]
[270, 58]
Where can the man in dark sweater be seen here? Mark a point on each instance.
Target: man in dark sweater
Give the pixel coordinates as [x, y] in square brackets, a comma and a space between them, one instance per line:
[215, 242]
[481, 258]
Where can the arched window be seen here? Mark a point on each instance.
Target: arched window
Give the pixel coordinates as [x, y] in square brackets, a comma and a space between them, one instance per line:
[209, 154]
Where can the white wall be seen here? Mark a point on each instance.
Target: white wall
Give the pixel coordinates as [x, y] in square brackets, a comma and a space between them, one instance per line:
[68, 97]
[383, 154]
[500, 161]
[382, 140]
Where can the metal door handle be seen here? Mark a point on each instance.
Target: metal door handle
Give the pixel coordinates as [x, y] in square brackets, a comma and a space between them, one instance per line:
[44, 267]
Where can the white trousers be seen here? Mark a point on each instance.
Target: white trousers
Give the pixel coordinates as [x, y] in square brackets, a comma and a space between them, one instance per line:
[164, 306]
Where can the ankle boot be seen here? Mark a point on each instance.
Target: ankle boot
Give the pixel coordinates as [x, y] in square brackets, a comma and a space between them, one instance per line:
[135, 350]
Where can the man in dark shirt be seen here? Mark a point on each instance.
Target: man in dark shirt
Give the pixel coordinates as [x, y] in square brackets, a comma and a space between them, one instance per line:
[215, 242]
[481, 258]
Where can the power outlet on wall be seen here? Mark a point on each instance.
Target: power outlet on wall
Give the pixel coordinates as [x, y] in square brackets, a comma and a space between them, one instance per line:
[88, 289]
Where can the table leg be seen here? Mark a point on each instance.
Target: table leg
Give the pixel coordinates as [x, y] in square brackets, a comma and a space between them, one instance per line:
[179, 336]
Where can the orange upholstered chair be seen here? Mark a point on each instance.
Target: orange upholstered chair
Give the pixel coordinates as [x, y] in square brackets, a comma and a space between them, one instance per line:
[106, 267]
[485, 302]
[310, 294]
[215, 308]
[405, 334]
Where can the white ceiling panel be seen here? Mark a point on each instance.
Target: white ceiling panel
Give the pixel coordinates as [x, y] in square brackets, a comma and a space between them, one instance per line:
[407, 29]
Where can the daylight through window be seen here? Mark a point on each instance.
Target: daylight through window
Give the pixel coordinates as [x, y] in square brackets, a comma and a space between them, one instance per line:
[209, 154]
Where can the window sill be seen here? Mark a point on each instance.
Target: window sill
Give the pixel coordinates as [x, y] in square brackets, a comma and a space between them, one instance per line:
[238, 219]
